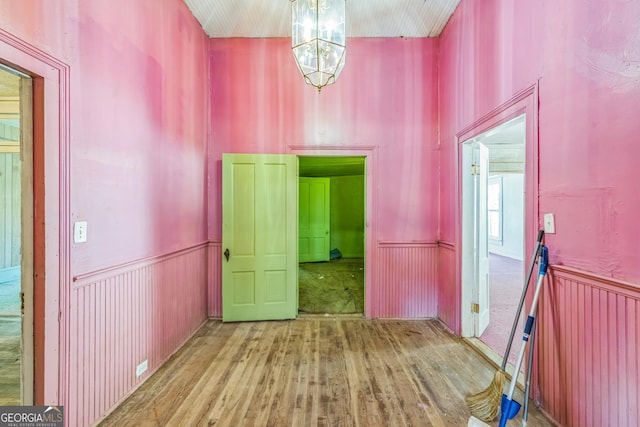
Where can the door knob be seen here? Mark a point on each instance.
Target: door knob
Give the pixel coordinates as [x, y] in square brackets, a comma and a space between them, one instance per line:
[226, 254]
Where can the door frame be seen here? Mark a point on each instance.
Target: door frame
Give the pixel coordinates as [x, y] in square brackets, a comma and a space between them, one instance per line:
[51, 100]
[25, 187]
[27, 239]
[524, 102]
[370, 236]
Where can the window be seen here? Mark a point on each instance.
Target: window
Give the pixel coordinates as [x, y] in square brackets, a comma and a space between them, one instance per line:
[494, 208]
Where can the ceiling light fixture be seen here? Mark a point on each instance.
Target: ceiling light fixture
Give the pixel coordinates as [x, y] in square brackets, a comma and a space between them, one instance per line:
[318, 39]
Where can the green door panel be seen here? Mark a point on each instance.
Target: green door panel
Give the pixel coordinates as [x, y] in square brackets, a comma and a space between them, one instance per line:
[259, 229]
[314, 219]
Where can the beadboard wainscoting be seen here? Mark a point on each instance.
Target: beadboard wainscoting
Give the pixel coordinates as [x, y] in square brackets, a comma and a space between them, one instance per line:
[125, 321]
[448, 292]
[405, 285]
[588, 372]
[214, 279]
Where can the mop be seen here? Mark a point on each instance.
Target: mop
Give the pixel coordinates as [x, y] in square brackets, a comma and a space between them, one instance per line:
[485, 404]
[509, 408]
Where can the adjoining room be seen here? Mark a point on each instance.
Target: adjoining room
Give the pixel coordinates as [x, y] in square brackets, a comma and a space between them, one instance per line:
[331, 235]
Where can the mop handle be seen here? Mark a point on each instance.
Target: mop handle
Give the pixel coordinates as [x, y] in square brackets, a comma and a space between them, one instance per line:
[527, 387]
[544, 262]
[522, 297]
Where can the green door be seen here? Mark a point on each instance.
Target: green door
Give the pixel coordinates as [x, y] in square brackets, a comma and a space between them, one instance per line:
[314, 219]
[259, 237]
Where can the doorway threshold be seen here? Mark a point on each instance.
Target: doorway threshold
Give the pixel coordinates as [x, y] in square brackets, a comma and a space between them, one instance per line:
[495, 359]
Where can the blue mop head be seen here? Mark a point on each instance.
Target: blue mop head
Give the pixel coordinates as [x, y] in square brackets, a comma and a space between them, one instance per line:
[509, 408]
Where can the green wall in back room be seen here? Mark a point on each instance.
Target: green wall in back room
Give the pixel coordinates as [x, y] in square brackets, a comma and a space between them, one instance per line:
[347, 215]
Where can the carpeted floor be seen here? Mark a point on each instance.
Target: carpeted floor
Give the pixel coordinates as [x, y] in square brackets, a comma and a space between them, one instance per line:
[334, 287]
[506, 279]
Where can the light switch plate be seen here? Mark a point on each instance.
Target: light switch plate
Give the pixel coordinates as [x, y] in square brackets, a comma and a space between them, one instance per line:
[80, 232]
[549, 223]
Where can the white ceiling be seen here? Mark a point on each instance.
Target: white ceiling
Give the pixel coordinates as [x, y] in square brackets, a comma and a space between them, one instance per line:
[365, 18]
[506, 146]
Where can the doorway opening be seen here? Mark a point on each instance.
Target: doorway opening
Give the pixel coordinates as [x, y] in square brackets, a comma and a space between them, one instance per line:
[16, 237]
[331, 235]
[493, 230]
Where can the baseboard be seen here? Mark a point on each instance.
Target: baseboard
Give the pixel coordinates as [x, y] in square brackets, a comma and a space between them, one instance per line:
[494, 359]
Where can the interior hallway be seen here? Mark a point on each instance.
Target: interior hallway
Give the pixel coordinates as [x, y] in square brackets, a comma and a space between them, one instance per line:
[316, 370]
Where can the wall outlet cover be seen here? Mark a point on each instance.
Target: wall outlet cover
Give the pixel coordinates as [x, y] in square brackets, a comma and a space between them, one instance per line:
[142, 367]
[80, 232]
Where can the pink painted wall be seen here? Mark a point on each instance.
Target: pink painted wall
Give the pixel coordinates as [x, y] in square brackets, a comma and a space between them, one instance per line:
[139, 132]
[136, 171]
[137, 128]
[584, 58]
[385, 100]
[584, 55]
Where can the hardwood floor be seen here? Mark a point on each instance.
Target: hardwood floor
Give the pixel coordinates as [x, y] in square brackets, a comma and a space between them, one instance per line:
[10, 355]
[314, 371]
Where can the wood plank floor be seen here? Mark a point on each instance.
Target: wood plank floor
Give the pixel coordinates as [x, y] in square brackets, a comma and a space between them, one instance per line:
[314, 371]
[10, 357]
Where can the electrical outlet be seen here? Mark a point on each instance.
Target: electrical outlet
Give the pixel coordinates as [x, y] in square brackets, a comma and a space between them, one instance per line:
[80, 232]
[549, 223]
[142, 367]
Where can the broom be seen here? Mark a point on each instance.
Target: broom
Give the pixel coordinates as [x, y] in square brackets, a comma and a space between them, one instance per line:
[485, 404]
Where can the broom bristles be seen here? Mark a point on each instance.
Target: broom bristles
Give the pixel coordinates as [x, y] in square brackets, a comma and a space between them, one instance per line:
[485, 404]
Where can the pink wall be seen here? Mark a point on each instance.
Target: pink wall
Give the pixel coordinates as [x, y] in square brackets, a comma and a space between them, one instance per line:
[583, 57]
[385, 100]
[138, 134]
[125, 146]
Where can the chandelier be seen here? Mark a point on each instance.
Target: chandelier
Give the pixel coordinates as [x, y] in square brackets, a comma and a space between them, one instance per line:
[318, 39]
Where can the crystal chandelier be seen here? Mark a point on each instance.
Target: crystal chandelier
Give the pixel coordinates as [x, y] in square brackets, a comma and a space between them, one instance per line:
[318, 39]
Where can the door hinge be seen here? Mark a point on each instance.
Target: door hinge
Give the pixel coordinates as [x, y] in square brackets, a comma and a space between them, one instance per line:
[22, 303]
[475, 308]
[475, 170]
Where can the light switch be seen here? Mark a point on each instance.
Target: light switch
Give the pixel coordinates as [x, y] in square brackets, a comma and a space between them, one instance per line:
[80, 232]
[549, 223]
